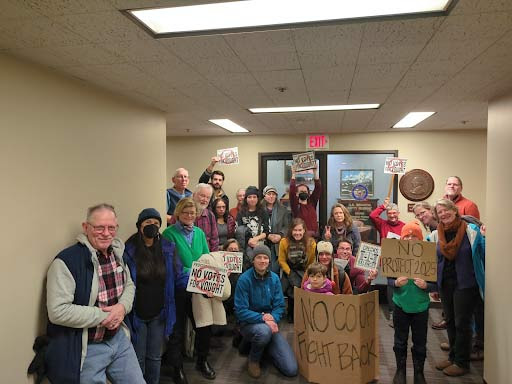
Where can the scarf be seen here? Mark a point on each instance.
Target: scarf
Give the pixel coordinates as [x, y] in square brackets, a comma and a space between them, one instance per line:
[450, 249]
[187, 228]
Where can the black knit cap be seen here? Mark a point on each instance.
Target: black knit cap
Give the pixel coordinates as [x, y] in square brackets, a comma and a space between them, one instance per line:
[252, 190]
[148, 213]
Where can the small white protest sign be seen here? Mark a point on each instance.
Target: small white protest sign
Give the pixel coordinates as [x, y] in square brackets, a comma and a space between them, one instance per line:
[206, 278]
[367, 256]
[395, 165]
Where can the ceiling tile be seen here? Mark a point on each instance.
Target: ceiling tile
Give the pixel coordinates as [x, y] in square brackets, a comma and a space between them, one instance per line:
[139, 50]
[356, 121]
[329, 79]
[379, 75]
[103, 27]
[173, 72]
[63, 7]
[291, 81]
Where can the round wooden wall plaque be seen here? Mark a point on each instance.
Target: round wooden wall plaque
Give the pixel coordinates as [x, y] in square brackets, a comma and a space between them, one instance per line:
[416, 185]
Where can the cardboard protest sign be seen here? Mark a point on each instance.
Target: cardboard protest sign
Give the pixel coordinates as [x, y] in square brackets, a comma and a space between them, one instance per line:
[394, 165]
[304, 161]
[410, 258]
[367, 256]
[228, 156]
[206, 278]
[232, 260]
[336, 337]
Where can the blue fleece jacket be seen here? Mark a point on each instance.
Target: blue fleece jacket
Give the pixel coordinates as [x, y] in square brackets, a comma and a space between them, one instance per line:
[256, 295]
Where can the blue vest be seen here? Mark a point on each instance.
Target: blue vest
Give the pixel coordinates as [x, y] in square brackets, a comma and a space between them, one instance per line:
[64, 353]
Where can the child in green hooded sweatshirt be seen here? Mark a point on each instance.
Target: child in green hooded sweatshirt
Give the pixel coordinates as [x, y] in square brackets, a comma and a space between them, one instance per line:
[411, 301]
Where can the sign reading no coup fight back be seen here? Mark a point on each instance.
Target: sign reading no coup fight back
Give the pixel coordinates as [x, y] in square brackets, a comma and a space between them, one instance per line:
[409, 258]
[336, 338]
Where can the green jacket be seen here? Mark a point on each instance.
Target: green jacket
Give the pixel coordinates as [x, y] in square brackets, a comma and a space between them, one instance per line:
[188, 254]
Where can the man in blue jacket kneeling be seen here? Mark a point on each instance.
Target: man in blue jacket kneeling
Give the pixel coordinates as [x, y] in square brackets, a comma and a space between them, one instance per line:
[259, 306]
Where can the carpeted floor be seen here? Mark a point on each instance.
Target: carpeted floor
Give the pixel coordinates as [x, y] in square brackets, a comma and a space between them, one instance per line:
[231, 367]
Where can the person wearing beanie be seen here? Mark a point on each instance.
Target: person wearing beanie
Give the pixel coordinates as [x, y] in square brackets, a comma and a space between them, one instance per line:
[259, 306]
[252, 224]
[156, 272]
[303, 203]
[411, 300]
[393, 225]
[296, 253]
[280, 218]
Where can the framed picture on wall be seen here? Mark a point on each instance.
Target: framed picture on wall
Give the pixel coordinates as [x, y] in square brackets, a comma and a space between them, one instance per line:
[349, 178]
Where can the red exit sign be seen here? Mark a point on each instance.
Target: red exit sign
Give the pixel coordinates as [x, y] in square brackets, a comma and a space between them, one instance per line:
[317, 142]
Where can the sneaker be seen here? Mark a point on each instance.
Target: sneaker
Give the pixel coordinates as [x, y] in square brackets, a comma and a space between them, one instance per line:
[253, 368]
[439, 325]
[444, 346]
[443, 364]
[454, 370]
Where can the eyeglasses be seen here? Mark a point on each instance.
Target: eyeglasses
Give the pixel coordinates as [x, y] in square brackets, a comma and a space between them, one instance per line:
[188, 213]
[101, 228]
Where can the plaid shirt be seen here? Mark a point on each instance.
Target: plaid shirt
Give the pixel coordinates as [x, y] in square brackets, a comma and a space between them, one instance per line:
[111, 285]
[207, 222]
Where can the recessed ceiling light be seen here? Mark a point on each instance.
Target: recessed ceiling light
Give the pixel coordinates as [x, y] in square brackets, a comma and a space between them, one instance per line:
[222, 16]
[412, 119]
[229, 125]
[314, 108]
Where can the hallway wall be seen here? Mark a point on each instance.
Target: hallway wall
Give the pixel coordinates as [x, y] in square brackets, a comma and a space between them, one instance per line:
[64, 146]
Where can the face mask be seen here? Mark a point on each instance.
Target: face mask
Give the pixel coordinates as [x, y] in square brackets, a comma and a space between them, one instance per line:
[303, 195]
[150, 231]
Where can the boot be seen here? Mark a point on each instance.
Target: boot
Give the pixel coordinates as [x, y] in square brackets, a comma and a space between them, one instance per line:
[419, 377]
[205, 368]
[290, 310]
[400, 374]
[179, 376]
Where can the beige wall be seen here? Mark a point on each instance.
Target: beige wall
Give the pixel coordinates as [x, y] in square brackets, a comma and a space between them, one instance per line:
[442, 154]
[63, 146]
[498, 304]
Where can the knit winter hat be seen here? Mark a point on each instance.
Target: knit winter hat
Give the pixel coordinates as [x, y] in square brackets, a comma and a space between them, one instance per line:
[148, 213]
[269, 188]
[261, 249]
[252, 190]
[412, 228]
[324, 246]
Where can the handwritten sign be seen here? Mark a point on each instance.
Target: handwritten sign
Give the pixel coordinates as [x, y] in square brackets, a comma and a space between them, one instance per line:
[409, 258]
[206, 278]
[336, 338]
[394, 165]
[367, 256]
[232, 260]
[304, 161]
[228, 156]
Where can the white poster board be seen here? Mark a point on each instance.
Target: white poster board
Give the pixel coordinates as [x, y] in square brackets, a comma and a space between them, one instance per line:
[206, 278]
[368, 256]
[232, 260]
[394, 165]
[228, 156]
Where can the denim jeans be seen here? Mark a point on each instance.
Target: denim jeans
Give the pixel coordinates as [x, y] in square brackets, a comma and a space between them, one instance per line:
[115, 359]
[418, 322]
[148, 348]
[263, 340]
[459, 305]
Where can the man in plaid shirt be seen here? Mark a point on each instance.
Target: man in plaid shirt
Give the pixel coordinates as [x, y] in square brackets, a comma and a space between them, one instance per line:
[89, 290]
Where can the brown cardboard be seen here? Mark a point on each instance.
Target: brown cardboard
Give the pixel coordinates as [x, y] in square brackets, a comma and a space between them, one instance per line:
[336, 337]
[410, 258]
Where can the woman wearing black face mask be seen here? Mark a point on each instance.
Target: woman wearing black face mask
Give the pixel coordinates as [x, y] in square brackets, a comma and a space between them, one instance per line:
[156, 273]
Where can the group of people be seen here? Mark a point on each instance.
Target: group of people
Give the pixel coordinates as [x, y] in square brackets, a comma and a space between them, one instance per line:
[113, 306]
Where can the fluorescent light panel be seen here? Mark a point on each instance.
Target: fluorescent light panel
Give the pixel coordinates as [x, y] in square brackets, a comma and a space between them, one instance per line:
[271, 13]
[314, 108]
[229, 125]
[412, 119]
